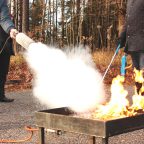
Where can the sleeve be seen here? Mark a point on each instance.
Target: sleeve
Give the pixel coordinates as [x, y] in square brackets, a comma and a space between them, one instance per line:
[122, 36]
[5, 19]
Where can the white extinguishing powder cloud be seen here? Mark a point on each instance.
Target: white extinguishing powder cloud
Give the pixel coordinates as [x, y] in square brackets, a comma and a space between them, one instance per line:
[65, 78]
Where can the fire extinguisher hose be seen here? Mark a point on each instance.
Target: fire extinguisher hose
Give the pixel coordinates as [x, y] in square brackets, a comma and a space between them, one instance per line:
[29, 129]
[116, 52]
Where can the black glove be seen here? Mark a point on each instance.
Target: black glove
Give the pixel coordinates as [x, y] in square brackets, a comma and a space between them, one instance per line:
[122, 39]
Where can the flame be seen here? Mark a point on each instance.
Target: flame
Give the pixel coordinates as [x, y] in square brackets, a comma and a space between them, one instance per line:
[139, 79]
[138, 102]
[138, 99]
[138, 75]
[118, 103]
[119, 106]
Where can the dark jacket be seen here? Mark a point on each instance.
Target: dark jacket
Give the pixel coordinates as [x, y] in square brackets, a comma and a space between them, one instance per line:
[6, 42]
[133, 30]
[6, 25]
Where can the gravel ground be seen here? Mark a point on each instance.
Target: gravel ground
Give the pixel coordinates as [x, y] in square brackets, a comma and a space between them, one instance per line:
[15, 116]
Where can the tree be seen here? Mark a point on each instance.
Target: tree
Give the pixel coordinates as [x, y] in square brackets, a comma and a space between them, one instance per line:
[25, 16]
[71, 22]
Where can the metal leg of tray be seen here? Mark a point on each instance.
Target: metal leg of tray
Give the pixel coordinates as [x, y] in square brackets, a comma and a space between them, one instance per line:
[94, 139]
[41, 136]
[104, 140]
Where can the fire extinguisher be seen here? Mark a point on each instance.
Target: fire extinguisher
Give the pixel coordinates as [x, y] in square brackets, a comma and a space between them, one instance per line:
[123, 65]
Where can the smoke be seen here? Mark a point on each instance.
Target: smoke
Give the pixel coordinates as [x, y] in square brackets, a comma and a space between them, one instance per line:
[65, 78]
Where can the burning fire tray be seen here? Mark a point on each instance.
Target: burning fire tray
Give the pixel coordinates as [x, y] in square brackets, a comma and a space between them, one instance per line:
[63, 119]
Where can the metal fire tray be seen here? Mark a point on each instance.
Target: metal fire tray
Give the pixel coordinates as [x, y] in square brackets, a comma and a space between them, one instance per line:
[63, 119]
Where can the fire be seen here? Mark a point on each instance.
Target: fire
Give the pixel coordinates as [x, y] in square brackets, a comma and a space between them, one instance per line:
[138, 75]
[118, 103]
[139, 79]
[138, 99]
[119, 106]
[138, 103]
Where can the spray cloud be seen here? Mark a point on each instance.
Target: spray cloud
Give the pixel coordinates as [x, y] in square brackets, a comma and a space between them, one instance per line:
[65, 78]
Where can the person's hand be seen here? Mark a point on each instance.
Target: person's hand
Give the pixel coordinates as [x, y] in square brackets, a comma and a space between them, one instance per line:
[13, 33]
[122, 39]
[119, 46]
[120, 42]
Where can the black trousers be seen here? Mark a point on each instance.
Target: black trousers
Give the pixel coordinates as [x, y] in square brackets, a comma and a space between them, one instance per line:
[138, 60]
[4, 68]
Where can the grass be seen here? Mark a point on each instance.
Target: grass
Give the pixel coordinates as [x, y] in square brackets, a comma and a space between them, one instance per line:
[104, 57]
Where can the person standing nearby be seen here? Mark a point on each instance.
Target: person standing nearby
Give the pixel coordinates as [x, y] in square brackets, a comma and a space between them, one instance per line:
[132, 36]
[7, 33]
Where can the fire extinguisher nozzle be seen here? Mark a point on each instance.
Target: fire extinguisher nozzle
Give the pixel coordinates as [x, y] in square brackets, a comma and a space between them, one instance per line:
[24, 40]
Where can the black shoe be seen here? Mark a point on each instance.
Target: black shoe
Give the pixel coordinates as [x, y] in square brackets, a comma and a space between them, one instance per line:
[5, 99]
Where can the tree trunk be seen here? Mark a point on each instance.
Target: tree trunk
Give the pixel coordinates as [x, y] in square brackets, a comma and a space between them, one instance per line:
[62, 21]
[25, 16]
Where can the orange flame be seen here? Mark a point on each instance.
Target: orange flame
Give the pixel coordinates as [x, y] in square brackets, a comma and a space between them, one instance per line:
[119, 106]
[138, 99]
[118, 103]
[140, 80]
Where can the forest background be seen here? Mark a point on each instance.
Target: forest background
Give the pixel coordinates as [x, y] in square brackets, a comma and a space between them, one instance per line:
[68, 23]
